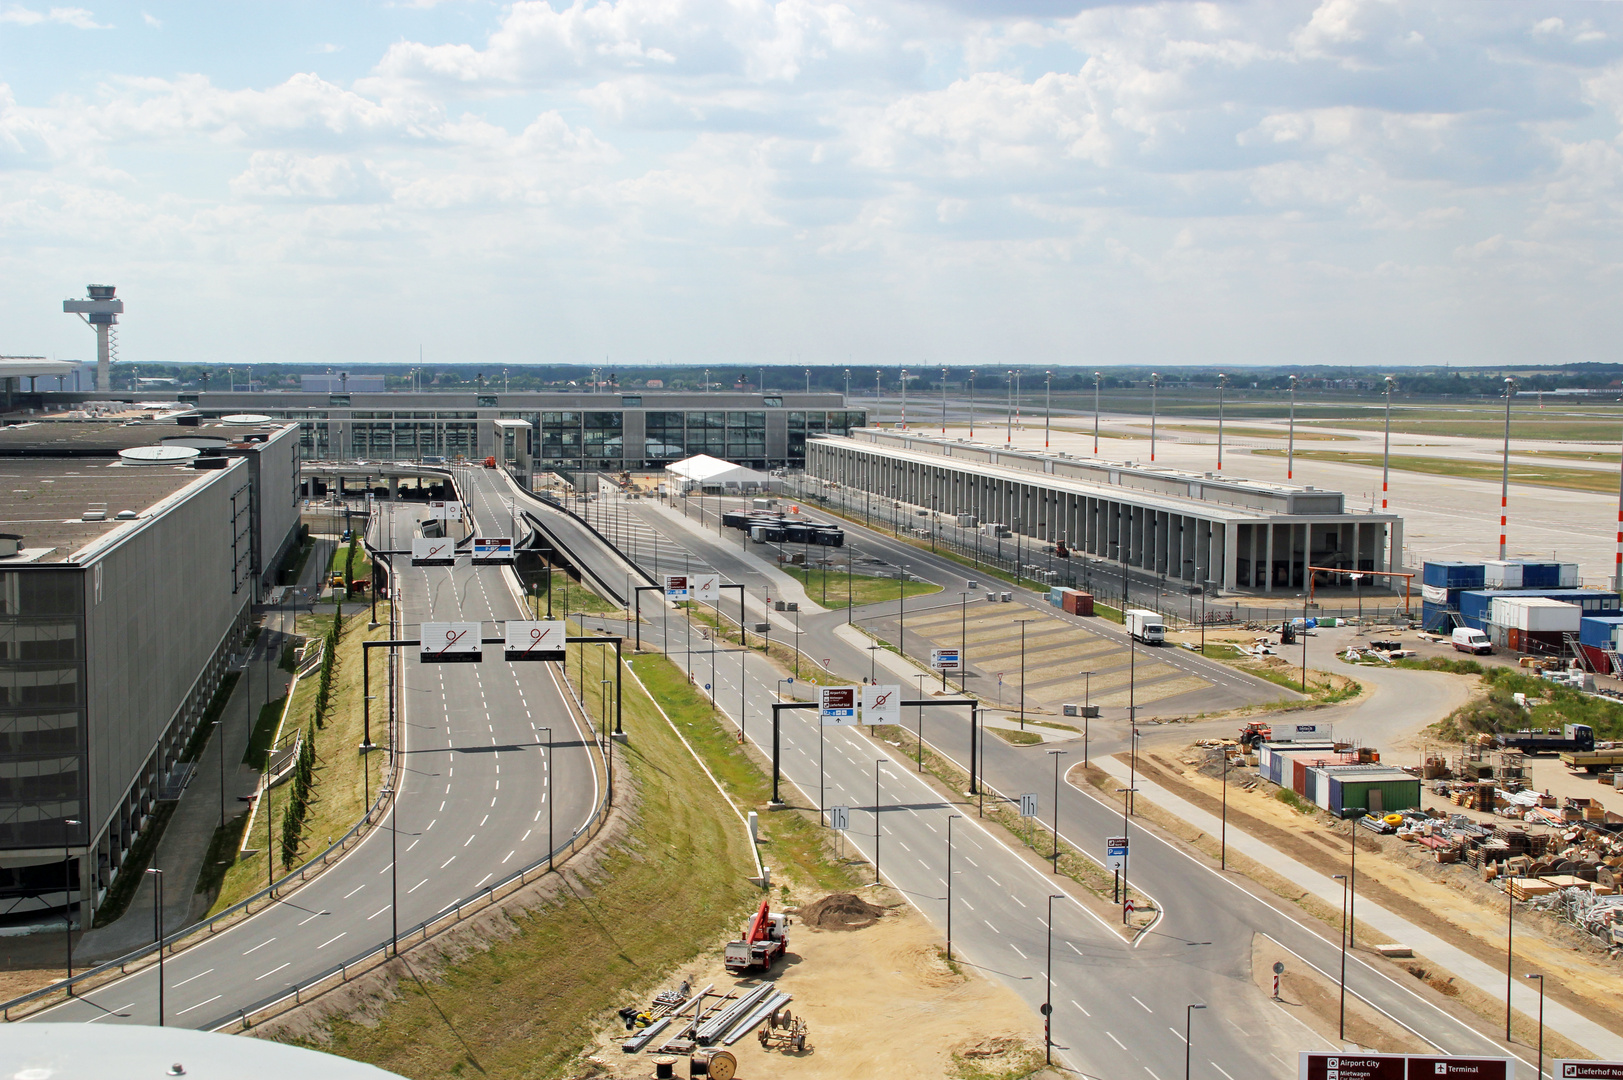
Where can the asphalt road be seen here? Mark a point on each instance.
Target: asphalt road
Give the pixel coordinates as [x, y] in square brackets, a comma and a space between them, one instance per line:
[1118, 1008]
[471, 810]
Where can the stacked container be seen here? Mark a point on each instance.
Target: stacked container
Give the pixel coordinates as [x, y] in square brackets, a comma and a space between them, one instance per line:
[1598, 637]
[1441, 584]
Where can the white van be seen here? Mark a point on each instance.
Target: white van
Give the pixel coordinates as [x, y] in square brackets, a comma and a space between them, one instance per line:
[1472, 641]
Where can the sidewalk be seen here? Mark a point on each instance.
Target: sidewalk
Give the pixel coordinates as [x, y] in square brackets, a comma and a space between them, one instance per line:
[1525, 998]
[186, 839]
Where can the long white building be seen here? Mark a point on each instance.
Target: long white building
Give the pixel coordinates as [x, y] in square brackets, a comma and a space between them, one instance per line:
[1195, 528]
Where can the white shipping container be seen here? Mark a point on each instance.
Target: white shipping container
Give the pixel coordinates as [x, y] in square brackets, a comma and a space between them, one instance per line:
[1569, 575]
[1536, 614]
[1502, 574]
[1289, 732]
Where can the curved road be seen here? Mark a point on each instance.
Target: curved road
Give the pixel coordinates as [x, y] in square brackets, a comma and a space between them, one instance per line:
[472, 809]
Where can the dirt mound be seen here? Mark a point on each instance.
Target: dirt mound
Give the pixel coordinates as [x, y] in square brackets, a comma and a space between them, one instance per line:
[840, 911]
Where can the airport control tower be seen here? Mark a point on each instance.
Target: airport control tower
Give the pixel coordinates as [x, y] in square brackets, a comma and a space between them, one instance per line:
[101, 311]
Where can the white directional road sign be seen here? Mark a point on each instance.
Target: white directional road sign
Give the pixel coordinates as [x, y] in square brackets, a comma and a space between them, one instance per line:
[437, 551]
[1028, 805]
[881, 704]
[493, 549]
[837, 705]
[1115, 852]
[450, 642]
[706, 588]
[677, 586]
[542, 640]
[946, 660]
[839, 818]
[445, 511]
[1587, 1070]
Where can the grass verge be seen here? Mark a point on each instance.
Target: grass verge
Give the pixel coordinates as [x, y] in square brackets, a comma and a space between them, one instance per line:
[526, 1006]
[1018, 738]
[1325, 688]
[829, 589]
[341, 788]
[570, 597]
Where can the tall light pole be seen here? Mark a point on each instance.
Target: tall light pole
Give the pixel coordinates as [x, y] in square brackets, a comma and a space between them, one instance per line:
[1098, 377]
[1510, 951]
[1048, 994]
[1048, 404]
[1540, 978]
[943, 401]
[1188, 1018]
[1057, 755]
[1504, 480]
[1008, 431]
[1155, 386]
[904, 399]
[1343, 879]
[847, 401]
[1022, 623]
[1087, 691]
[877, 762]
[1290, 439]
[1617, 572]
[67, 893]
[157, 927]
[1386, 440]
[950, 819]
[972, 435]
[394, 873]
[1222, 390]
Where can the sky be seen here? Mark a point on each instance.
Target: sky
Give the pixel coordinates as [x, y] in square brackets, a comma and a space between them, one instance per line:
[736, 181]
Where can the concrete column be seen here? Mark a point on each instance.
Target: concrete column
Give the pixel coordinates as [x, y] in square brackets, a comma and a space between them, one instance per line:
[1395, 552]
[1229, 550]
[1268, 556]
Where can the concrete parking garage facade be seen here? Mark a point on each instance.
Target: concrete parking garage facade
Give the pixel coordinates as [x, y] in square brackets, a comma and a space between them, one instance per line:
[1194, 528]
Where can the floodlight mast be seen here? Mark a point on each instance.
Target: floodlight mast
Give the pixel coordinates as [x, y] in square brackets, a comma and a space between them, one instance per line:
[100, 312]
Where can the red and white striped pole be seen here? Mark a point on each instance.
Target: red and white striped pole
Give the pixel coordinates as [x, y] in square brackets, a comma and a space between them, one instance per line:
[1504, 481]
[1386, 444]
[1617, 572]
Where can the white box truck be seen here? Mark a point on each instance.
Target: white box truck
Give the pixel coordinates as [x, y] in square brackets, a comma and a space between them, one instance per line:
[1145, 626]
[1472, 641]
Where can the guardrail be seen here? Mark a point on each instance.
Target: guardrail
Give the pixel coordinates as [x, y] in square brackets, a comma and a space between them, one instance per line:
[188, 936]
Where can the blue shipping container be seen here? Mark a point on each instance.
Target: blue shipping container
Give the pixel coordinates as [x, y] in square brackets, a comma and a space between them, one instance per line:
[1453, 575]
[1597, 630]
[1056, 596]
[1476, 604]
[1541, 575]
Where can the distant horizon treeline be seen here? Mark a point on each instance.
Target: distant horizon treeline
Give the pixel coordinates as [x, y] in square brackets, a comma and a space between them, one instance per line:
[1487, 380]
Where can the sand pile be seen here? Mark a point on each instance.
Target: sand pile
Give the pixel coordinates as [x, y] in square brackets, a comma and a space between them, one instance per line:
[840, 911]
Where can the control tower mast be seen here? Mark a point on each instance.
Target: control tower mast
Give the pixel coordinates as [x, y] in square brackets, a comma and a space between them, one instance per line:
[101, 313]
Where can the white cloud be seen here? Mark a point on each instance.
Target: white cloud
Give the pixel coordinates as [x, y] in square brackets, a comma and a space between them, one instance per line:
[152, 20]
[75, 17]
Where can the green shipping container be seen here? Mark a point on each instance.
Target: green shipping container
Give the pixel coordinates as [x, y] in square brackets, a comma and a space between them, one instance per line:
[1375, 796]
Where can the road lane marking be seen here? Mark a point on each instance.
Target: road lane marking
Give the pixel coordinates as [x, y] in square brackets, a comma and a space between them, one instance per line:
[261, 945]
[509, 855]
[1115, 1040]
[1143, 1006]
[329, 941]
[353, 891]
[199, 1005]
[1017, 900]
[378, 912]
[1178, 1033]
[272, 971]
[1219, 1068]
[1075, 949]
[317, 915]
[995, 930]
[194, 978]
[417, 886]
[1016, 948]
[1080, 1009]
[105, 1015]
[481, 823]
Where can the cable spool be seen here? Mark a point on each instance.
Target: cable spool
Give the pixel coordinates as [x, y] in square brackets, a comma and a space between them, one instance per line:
[716, 1064]
[664, 1068]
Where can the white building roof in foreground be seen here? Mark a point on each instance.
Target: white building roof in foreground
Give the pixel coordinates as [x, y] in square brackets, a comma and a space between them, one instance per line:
[86, 1052]
[704, 469]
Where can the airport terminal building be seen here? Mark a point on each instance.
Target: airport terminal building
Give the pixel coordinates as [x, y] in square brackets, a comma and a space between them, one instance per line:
[130, 558]
[1195, 528]
[537, 431]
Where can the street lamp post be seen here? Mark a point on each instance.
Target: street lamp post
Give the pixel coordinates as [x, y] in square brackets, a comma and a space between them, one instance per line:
[1290, 438]
[943, 401]
[1386, 440]
[1008, 430]
[971, 403]
[1048, 406]
[1022, 623]
[1222, 388]
[548, 795]
[1098, 377]
[904, 399]
[157, 926]
[1155, 386]
[950, 819]
[1057, 754]
[1188, 1019]
[901, 614]
[67, 894]
[394, 875]
[1343, 879]
[1048, 994]
[877, 762]
[1087, 710]
[1537, 1075]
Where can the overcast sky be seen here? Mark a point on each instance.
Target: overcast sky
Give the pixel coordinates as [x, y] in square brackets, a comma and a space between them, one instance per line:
[703, 180]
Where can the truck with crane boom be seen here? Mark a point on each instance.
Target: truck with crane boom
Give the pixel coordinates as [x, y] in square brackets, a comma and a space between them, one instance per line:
[765, 938]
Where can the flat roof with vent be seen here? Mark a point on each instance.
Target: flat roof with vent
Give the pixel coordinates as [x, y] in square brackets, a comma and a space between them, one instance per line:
[56, 506]
[85, 438]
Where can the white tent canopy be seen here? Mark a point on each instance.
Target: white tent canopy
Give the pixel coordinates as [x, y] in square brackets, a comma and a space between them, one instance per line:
[702, 470]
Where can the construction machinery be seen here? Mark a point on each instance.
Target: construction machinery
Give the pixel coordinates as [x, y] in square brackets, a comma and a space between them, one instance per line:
[766, 937]
[490, 463]
[1254, 734]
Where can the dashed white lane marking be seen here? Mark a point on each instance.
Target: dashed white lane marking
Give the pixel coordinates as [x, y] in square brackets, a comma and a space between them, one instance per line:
[330, 940]
[194, 978]
[199, 1005]
[378, 912]
[273, 971]
[261, 945]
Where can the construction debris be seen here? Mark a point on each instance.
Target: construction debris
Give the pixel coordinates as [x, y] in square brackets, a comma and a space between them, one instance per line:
[840, 911]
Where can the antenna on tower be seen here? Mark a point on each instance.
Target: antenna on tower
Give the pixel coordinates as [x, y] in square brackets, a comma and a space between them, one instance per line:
[100, 312]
